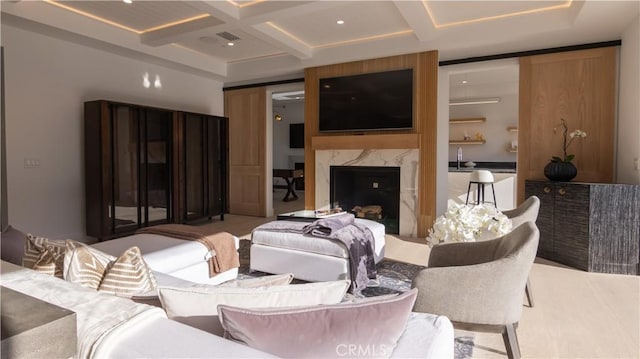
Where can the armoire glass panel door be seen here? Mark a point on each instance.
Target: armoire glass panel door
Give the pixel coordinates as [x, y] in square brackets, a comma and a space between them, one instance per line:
[195, 159]
[124, 208]
[155, 164]
[215, 165]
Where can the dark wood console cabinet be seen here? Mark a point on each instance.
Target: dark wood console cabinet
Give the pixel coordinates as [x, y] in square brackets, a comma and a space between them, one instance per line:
[590, 226]
[147, 166]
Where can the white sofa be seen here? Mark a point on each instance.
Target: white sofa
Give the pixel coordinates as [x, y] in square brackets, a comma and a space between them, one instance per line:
[179, 258]
[114, 327]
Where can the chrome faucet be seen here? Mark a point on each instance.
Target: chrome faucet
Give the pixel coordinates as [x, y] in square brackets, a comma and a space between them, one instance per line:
[459, 157]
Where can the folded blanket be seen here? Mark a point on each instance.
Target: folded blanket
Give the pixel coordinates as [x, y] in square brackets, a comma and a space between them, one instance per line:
[359, 242]
[326, 226]
[221, 245]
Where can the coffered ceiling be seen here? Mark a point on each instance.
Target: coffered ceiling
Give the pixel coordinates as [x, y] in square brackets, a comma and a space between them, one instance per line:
[244, 41]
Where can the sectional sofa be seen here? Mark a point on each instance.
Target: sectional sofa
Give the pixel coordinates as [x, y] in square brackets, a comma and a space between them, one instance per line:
[111, 326]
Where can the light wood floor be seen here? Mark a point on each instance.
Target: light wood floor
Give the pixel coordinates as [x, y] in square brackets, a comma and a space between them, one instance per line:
[576, 314]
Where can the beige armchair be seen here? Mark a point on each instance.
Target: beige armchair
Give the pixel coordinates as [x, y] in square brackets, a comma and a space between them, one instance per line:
[478, 285]
[526, 212]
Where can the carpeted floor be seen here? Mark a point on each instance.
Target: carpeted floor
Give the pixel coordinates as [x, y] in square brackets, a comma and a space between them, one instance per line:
[393, 277]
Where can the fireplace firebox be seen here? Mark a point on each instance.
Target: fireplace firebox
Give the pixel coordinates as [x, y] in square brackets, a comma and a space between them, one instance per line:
[367, 192]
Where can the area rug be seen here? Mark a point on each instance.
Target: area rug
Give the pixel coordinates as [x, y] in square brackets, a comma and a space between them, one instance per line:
[393, 277]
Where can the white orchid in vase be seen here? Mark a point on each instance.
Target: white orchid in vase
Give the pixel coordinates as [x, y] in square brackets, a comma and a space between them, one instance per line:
[466, 223]
[565, 144]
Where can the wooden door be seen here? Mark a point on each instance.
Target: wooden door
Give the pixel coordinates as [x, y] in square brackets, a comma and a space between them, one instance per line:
[246, 110]
[578, 86]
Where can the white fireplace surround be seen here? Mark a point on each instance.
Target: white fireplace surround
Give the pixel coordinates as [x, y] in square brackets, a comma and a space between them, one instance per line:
[406, 159]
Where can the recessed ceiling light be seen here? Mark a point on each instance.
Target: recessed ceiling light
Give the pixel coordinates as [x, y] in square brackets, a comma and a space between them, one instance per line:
[340, 22]
[464, 82]
[230, 43]
[127, 1]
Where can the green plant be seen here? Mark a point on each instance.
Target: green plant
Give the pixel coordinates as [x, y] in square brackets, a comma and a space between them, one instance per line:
[572, 136]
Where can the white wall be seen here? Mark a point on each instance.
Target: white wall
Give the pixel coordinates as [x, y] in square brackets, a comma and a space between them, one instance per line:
[628, 149]
[442, 146]
[47, 80]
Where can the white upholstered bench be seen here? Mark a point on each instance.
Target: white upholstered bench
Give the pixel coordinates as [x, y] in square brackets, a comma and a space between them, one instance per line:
[179, 258]
[308, 258]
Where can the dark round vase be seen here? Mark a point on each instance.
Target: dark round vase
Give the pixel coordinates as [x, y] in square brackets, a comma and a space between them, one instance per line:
[560, 171]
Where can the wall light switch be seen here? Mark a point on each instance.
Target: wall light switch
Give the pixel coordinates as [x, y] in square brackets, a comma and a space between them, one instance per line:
[31, 162]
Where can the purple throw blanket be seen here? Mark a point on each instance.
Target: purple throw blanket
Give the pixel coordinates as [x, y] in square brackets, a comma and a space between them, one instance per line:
[357, 239]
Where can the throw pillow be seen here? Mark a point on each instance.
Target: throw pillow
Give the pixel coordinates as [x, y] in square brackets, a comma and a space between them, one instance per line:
[12, 245]
[366, 329]
[128, 274]
[197, 306]
[46, 264]
[125, 275]
[34, 249]
[264, 281]
[85, 265]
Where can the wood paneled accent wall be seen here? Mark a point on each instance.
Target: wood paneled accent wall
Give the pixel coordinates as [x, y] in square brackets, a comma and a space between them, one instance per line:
[422, 136]
[578, 86]
[246, 110]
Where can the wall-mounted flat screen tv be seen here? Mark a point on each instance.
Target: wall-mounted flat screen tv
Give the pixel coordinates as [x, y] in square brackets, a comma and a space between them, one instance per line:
[296, 135]
[367, 102]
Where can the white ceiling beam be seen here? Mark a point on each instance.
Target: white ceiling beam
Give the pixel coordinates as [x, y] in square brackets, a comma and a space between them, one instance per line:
[417, 17]
[223, 10]
[226, 16]
[172, 34]
[274, 11]
[279, 39]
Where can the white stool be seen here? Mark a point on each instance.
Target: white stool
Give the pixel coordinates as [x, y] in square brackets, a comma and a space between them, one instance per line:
[481, 178]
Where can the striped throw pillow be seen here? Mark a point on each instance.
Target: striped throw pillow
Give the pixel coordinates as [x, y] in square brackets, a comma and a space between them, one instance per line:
[125, 275]
[46, 264]
[41, 251]
[85, 265]
[128, 274]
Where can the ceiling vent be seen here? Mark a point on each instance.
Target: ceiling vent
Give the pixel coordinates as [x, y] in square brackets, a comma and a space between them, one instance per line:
[228, 36]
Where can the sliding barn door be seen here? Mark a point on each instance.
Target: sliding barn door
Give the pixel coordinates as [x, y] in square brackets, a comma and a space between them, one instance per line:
[246, 110]
[578, 86]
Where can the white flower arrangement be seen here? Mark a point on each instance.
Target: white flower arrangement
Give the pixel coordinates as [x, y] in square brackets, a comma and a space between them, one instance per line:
[565, 144]
[465, 223]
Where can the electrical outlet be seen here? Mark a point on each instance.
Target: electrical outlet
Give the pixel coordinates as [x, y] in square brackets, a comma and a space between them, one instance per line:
[31, 162]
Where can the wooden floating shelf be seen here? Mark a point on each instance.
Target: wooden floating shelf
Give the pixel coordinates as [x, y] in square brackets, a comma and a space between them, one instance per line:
[512, 129]
[455, 121]
[466, 142]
